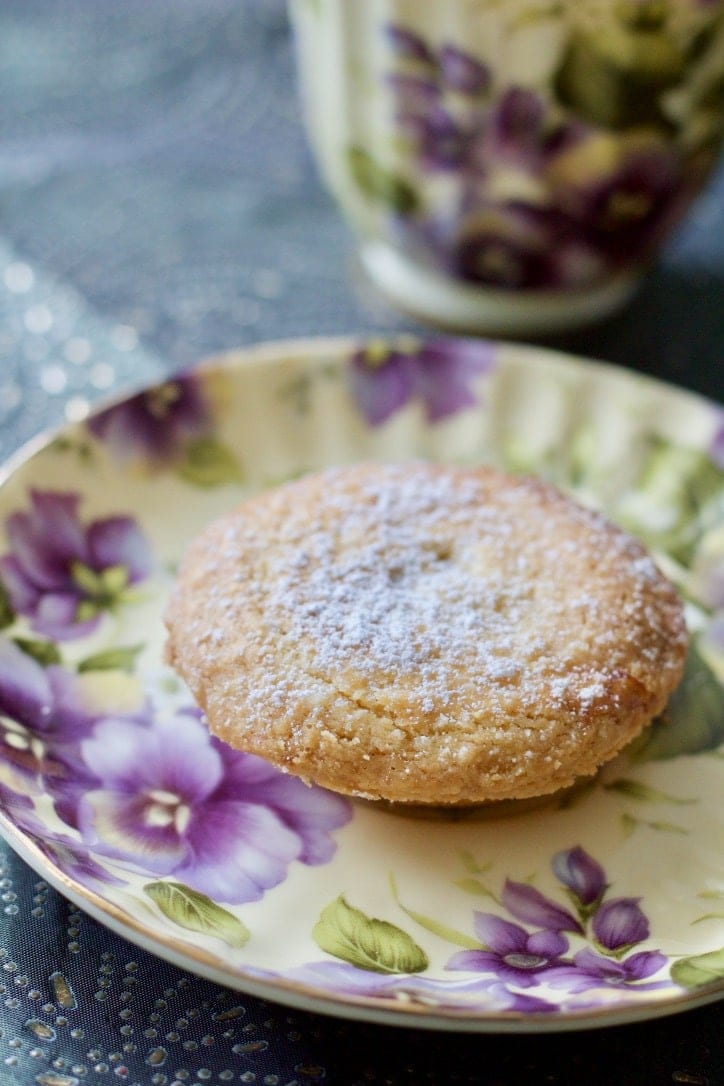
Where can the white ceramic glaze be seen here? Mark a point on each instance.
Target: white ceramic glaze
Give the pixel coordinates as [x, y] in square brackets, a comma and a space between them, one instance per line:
[430, 296]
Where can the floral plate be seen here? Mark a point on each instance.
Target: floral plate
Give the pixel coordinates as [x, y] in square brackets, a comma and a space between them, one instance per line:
[603, 905]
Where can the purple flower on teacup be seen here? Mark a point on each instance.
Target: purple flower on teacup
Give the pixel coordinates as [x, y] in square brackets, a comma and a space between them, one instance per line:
[505, 246]
[535, 197]
[443, 141]
[63, 574]
[438, 373]
[407, 45]
[617, 190]
[414, 97]
[520, 130]
[462, 72]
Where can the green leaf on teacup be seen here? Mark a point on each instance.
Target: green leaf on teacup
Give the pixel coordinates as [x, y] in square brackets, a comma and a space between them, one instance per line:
[379, 185]
[614, 75]
[366, 942]
[699, 969]
[196, 912]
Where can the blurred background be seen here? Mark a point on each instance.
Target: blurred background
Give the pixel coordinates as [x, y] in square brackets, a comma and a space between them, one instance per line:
[158, 202]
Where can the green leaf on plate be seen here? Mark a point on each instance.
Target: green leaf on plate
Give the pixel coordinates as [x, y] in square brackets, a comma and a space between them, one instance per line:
[119, 659]
[667, 827]
[379, 185]
[700, 969]
[693, 721]
[678, 493]
[208, 463]
[708, 916]
[474, 886]
[366, 942]
[196, 912]
[471, 865]
[436, 927]
[298, 392]
[644, 792]
[44, 652]
[7, 615]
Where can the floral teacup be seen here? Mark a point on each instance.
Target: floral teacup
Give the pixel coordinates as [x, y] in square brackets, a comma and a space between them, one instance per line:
[512, 165]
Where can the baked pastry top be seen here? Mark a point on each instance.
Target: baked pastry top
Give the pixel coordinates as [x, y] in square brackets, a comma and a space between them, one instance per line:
[423, 633]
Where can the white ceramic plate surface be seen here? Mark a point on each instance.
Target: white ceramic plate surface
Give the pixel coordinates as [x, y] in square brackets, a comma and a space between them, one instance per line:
[602, 906]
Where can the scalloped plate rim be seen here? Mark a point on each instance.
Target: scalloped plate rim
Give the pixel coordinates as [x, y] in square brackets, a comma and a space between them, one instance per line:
[301, 996]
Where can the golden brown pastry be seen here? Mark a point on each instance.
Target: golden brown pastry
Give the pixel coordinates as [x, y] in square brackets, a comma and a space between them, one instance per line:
[425, 634]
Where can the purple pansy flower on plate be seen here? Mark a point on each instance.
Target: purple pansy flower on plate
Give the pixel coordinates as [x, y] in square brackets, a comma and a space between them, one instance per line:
[172, 427]
[531, 906]
[590, 970]
[619, 924]
[464, 994]
[76, 861]
[525, 959]
[582, 876]
[156, 425]
[439, 373]
[45, 712]
[19, 778]
[54, 705]
[62, 574]
[510, 953]
[169, 800]
[309, 813]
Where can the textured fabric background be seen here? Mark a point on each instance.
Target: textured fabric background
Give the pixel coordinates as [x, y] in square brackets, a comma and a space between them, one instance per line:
[157, 203]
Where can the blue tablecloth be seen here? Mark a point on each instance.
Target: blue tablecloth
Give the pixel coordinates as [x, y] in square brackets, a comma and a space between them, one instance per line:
[158, 203]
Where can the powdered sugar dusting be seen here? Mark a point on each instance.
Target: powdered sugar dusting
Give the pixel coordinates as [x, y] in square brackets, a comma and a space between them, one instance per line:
[379, 589]
[415, 578]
